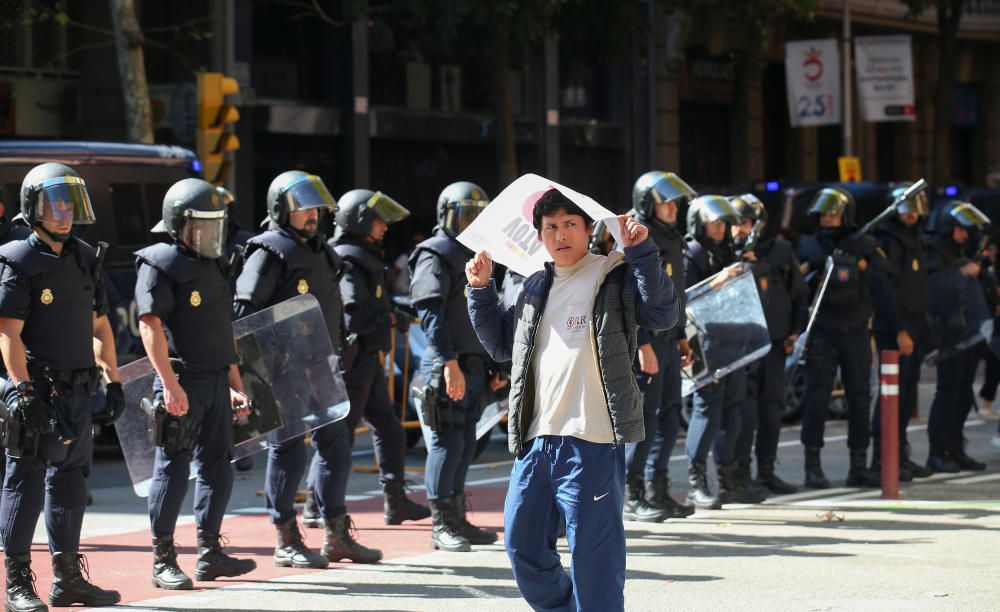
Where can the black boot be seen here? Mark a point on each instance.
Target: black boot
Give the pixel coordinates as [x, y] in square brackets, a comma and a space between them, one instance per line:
[699, 494]
[859, 475]
[658, 495]
[916, 469]
[214, 563]
[470, 532]
[815, 478]
[445, 533]
[340, 542]
[310, 513]
[636, 508]
[21, 595]
[905, 475]
[166, 573]
[731, 489]
[939, 458]
[767, 477]
[746, 479]
[291, 551]
[964, 461]
[71, 583]
[398, 507]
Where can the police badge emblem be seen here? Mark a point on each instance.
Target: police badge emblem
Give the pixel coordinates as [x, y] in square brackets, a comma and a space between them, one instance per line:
[196, 298]
[303, 286]
[47, 297]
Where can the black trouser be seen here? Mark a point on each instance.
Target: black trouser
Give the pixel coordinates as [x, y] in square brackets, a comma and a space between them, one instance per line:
[286, 463]
[763, 405]
[953, 396]
[661, 407]
[849, 349]
[368, 391]
[209, 403]
[31, 485]
[991, 378]
[909, 379]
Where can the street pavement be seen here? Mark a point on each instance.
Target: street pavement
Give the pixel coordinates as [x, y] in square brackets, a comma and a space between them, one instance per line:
[838, 549]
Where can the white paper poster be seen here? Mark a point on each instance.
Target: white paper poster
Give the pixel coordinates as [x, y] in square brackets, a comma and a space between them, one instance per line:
[812, 71]
[505, 230]
[884, 69]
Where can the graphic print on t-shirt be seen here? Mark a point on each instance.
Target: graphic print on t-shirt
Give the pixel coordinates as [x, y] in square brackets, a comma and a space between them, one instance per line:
[574, 327]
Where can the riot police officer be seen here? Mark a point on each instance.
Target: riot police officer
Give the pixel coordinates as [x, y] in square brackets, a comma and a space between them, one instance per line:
[289, 259]
[183, 290]
[236, 236]
[840, 336]
[957, 306]
[362, 220]
[785, 298]
[716, 405]
[455, 366]
[52, 307]
[901, 323]
[657, 198]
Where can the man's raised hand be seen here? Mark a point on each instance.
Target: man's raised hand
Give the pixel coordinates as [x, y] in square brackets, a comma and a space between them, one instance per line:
[479, 269]
[632, 231]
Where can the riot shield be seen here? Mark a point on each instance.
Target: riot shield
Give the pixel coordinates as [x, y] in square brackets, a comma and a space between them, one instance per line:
[726, 327]
[290, 374]
[978, 322]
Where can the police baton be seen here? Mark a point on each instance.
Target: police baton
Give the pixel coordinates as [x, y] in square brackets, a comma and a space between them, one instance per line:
[890, 210]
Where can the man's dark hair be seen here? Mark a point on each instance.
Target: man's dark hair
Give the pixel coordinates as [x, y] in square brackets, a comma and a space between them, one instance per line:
[551, 202]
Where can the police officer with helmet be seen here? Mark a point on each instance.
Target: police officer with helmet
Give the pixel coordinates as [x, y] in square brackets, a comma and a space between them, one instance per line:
[362, 220]
[785, 299]
[956, 307]
[657, 198]
[52, 307]
[840, 337]
[901, 323]
[455, 366]
[183, 299]
[292, 258]
[716, 405]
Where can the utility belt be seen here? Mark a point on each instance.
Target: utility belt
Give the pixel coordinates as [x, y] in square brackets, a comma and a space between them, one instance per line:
[89, 377]
[173, 433]
[439, 413]
[666, 334]
[20, 440]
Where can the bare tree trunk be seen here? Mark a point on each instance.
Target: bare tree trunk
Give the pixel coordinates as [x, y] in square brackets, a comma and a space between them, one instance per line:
[132, 69]
[949, 13]
[503, 109]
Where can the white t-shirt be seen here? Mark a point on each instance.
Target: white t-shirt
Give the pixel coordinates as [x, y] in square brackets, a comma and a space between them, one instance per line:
[569, 395]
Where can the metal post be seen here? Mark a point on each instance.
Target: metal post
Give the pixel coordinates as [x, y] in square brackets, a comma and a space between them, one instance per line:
[890, 424]
[848, 121]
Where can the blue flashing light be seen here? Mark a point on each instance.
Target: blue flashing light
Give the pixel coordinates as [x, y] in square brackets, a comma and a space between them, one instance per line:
[951, 191]
[771, 186]
[196, 166]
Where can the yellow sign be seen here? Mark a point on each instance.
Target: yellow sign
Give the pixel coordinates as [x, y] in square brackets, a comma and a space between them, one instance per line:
[303, 286]
[47, 296]
[850, 169]
[196, 298]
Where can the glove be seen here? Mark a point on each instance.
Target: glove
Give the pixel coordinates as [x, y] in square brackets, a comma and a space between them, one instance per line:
[114, 404]
[33, 409]
[403, 320]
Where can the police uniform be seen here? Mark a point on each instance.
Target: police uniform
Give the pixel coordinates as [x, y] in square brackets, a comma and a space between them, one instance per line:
[437, 290]
[57, 298]
[906, 311]
[840, 338]
[191, 296]
[367, 307]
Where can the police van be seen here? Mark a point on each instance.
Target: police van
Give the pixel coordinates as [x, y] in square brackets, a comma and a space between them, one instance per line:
[127, 183]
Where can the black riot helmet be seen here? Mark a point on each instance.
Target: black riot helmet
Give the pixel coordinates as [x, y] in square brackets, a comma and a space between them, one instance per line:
[195, 215]
[359, 208]
[957, 213]
[748, 207]
[227, 196]
[655, 187]
[297, 190]
[706, 209]
[459, 205]
[834, 200]
[916, 204]
[54, 192]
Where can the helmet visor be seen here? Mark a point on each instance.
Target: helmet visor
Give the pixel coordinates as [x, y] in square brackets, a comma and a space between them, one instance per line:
[970, 217]
[64, 199]
[747, 206]
[386, 208]
[205, 232]
[459, 216]
[916, 204]
[309, 191]
[716, 208]
[829, 202]
[672, 187]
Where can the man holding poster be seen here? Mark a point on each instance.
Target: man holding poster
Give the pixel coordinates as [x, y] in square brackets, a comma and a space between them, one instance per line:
[574, 401]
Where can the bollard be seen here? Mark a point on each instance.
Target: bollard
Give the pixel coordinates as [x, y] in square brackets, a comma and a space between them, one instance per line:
[890, 423]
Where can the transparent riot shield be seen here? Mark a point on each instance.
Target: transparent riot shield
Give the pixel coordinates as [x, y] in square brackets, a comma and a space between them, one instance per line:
[726, 327]
[290, 374]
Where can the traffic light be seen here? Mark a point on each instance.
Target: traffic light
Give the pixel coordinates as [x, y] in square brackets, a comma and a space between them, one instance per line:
[212, 140]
